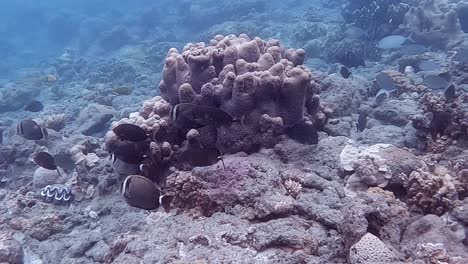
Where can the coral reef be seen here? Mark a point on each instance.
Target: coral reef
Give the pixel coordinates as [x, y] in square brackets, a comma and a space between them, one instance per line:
[255, 81]
[456, 126]
[435, 188]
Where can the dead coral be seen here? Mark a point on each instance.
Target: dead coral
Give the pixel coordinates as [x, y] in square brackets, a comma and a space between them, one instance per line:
[53, 121]
[431, 192]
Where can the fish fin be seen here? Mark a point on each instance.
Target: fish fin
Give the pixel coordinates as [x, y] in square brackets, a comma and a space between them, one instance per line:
[241, 121]
[221, 157]
[165, 201]
[45, 133]
[434, 134]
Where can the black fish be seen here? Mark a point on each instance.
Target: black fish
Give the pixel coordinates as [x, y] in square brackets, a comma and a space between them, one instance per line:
[123, 168]
[199, 157]
[1, 136]
[45, 160]
[64, 161]
[31, 130]
[439, 123]
[451, 92]
[362, 122]
[130, 132]
[350, 59]
[304, 133]
[34, 106]
[345, 72]
[140, 192]
[131, 152]
[187, 115]
[151, 170]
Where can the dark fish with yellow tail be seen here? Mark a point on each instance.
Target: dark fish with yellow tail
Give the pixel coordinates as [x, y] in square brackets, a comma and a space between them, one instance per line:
[200, 157]
[131, 152]
[34, 106]
[362, 122]
[304, 133]
[151, 170]
[440, 122]
[140, 192]
[451, 92]
[188, 115]
[122, 91]
[64, 161]
[45, 160]
[345, 72]
[30, 130]
[130, 132]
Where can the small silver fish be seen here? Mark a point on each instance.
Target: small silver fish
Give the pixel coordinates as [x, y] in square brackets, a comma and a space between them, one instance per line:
[391, 42]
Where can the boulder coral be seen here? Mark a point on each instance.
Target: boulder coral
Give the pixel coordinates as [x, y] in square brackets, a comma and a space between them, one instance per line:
[250, 79]
[258, 82]
[433, 23]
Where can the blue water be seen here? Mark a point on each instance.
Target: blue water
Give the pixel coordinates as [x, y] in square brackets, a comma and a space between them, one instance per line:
[34, 32]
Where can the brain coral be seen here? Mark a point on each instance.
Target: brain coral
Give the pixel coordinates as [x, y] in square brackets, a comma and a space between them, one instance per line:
[370, 250]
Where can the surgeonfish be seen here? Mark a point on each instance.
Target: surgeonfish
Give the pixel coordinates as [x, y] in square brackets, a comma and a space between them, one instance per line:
[34, 106]
[362, 122]
[131, 152]
[345, 72]
[45, 160]
[385, 81]
[350, 59]
[428, 65]
[30, 130]
[122, 91]
[123, 168]
[150, 169]
[451, 92]
[64, 161]
[200, 157]
[304, 133]
[435, 82]
[439, 123]
[412, 49]
[140, 192]
[130, 132]
[187, 115]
